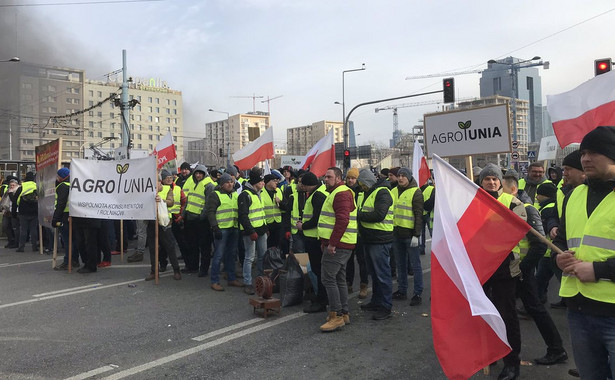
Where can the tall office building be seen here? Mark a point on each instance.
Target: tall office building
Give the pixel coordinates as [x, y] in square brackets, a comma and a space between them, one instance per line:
[498, 78]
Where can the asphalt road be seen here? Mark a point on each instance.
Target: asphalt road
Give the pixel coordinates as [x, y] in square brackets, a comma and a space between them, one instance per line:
[113, 325]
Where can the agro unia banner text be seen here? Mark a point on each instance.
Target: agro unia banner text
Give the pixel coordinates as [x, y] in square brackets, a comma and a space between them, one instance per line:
[123, 189]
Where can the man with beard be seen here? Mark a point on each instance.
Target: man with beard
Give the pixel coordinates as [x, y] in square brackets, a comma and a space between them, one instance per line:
[535, 178]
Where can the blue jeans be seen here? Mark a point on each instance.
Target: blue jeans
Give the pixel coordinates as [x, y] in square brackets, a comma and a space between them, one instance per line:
[593, 343]
[377, 259]
[403, 251]
[251, 247]
[224, 251]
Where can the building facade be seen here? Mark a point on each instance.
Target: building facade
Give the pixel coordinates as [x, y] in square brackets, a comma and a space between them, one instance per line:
[299, 140]
[498, 79]
[225, 137]
[46, 102]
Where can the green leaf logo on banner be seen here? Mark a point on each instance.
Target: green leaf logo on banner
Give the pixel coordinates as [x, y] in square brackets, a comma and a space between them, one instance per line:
[465, 125]
[121, 170]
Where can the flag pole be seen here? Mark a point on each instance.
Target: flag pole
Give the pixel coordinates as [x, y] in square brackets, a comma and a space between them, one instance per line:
[546, 241]
[70, 243]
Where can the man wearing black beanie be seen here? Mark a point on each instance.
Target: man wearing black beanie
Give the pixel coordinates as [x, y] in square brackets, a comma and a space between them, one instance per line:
[586, 236]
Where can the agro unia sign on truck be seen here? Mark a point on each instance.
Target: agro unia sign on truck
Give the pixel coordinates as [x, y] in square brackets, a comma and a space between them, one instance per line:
[122, 189]
[467, 132]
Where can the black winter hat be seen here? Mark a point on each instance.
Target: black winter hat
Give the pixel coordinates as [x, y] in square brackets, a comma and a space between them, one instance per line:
[573, 160]
[270, 177]
[600, 140]
[547, 189]
[256, 176]
[184, 165]
[309, 179]
[491, 170]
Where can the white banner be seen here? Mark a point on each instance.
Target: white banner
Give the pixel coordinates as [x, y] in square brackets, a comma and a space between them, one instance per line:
[466, 132]
[124, 189]
[293, 161]
[548, 148]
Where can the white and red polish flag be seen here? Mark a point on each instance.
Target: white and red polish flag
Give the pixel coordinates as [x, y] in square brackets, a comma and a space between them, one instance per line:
[256, 151]
[165, 150]
[473, 233]
[420, 170]
[322, 155]
[582, 109]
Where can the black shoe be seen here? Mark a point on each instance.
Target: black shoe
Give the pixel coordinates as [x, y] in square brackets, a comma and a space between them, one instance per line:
[202, 274]
[163, 268]
[20, 249]
[574, 372]
[416, 300]
[315, 307]
[248, 289]
[63, 266]
[410, 272]
[552, 358]
[189, 271]
[422, 252]
[381, 314]
[400, 296]
[85, 270]
[559, 305]
[509, 373]
[370, 307]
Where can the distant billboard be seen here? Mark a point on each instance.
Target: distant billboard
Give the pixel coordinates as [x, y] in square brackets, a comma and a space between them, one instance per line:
[292, 161]
[481, 130]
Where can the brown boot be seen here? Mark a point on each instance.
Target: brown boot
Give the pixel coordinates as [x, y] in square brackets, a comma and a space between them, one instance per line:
[346, 318]
[334, 322]
[177, 275]
[235, 283]
[349, 287]
[150, 277]
[363, 291]
[217, 287]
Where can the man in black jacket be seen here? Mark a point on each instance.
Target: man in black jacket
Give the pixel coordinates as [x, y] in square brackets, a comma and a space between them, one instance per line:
[27, 211]
[60, 217]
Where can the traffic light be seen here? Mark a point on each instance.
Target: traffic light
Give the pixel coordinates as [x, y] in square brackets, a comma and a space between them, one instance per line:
[602, 66]
[448, 88]
[346, 159]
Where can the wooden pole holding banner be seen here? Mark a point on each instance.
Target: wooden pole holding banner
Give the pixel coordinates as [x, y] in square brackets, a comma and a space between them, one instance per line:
[55, 248]
[469, 169]
[122, 240]
[40, 239]
[70, 244]
[156, 247]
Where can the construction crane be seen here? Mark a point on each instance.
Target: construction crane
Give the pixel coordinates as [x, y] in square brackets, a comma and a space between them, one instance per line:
[269, 100]
[254, 97]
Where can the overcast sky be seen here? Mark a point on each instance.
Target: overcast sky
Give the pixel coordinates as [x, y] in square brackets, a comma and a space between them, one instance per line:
[213, 50]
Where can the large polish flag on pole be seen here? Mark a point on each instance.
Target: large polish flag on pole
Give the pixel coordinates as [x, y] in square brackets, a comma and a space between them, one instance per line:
[473, 233]
[165, 150]
[322, 155]
[420, 170]
[582, 109]
[255, 152]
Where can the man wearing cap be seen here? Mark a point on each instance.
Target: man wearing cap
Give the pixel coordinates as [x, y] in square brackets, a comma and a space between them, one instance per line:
[184, 174]
[337, 231]
[197, 230]
[27, 211]
[222, 215]
[408, 225]
[375, 217]
[358, 252]
[271, 198]
[532, 250]
[501, 285]
[573, 176]
[586, 236]
[316, 194]
[60, 216]
[166, 241]
[294, 200]
[546, 197]
[251, 215]
[176, 211]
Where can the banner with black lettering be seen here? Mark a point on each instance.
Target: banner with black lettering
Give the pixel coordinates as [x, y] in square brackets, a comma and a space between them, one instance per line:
[123, 189]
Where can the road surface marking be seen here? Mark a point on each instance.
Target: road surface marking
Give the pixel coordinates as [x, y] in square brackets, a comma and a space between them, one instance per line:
[94, 372]
[66, 290]
[227, 329]
[6, 265]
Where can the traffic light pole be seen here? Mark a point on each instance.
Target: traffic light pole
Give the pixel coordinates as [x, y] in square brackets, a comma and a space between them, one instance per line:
[346, 164]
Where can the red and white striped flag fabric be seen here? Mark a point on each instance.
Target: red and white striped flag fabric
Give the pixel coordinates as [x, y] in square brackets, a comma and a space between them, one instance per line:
[473, 233]
[582, 109]
[322, 155]
[420, 170]
[165, 150]
[257, 151]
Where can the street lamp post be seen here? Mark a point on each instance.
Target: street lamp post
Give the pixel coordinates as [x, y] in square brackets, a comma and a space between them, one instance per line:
[13, 59]
[344, 120]
[514, 75]
[228, 143]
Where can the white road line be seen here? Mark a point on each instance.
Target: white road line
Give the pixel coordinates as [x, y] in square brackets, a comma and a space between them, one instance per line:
[66, 290]
[227, 329]
[6, 265]
[94, 372]
[201, 347]
[74, 292]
